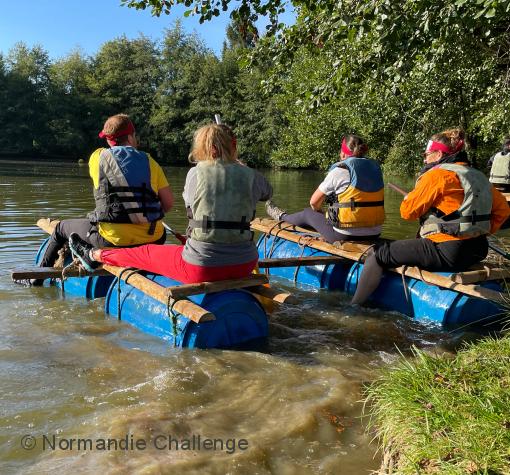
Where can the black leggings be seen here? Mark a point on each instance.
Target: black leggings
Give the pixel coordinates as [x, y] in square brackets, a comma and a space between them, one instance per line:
[315, 219]
[446, 256]
[87, 231]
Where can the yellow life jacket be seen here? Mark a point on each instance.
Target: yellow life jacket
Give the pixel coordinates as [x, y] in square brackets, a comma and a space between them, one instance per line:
[361, 205]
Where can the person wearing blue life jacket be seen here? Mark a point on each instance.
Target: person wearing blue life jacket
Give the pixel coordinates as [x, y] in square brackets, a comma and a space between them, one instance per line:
[354, 191]
[131, 195]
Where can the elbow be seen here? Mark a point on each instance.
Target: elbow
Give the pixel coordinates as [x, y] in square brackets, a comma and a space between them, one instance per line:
[168, 205]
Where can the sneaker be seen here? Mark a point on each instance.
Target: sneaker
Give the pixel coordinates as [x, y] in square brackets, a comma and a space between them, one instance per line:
[81, 250]
[273, 211]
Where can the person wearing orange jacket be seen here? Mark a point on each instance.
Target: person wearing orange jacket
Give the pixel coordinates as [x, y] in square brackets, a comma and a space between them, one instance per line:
[457, 208]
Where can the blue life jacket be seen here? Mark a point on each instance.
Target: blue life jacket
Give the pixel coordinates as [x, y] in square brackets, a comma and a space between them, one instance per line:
[124, 194]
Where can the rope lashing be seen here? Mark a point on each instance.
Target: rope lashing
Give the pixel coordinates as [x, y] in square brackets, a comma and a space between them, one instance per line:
[131, 270]
[172, 316]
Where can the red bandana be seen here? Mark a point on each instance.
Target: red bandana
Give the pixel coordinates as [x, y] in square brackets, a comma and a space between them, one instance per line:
[129, 130]
[441, 147]
[345, 149]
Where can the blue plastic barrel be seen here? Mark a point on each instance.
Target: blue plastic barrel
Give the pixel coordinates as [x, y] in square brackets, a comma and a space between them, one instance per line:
[417, 299]
[330, 277]
[91, 287]
[240, 318]
[428, 302]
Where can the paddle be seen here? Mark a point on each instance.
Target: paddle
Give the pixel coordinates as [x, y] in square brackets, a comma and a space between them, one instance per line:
[397, 189]
[495, 248]
[177, 235]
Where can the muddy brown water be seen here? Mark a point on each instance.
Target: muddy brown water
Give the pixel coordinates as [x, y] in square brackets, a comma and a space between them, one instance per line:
[69, 372]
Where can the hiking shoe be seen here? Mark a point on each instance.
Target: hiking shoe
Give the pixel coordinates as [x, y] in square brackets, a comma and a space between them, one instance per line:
[273, 211]
[81, 250]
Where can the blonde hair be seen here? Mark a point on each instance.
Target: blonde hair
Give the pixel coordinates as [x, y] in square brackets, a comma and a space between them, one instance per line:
[213, 142]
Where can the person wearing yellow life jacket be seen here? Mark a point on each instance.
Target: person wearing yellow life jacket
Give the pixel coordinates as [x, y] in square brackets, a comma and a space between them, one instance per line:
[499, 165]
[220, 194]
[354, 190]
[457, 208]
[131, 195]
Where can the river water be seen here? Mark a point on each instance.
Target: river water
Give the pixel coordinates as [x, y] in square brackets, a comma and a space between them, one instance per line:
[68, 371]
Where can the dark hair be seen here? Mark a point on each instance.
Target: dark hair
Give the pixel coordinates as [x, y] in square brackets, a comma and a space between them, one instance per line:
[505, 147]
[357, 145]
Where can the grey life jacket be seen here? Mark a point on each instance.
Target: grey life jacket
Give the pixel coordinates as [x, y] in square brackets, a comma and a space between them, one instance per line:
[500, 170]
[223, 206]
[124, 194]
[472, 219]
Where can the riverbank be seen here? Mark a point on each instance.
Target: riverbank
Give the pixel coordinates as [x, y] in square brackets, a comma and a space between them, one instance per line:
[444, 414]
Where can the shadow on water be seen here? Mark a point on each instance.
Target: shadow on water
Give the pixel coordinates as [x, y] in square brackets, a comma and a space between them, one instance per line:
[68, 370]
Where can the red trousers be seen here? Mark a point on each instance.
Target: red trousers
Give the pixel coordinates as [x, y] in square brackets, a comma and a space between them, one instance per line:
[167, 260]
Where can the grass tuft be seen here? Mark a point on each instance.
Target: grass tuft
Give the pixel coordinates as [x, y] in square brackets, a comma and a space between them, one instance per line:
[445, 415]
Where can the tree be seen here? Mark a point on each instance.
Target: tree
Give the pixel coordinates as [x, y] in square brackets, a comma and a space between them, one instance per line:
[74, 109]
[26, 112]
[186, 69]
[125, 74]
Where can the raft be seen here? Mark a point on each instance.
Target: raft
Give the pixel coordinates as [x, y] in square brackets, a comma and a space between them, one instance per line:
[225, 314]
[90, 286]
[414, 294]
[239, 317]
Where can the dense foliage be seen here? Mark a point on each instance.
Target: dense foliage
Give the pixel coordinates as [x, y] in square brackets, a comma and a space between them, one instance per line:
[395, 72]
[169, 88]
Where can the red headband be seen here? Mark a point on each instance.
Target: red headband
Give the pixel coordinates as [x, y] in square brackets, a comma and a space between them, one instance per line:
[441, 147]
[345, 149]
[129, 130]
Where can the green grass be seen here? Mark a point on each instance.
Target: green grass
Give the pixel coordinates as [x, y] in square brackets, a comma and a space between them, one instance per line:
[445, 415]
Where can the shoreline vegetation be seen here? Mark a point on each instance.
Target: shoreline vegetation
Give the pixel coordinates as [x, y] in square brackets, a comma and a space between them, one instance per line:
[445, 414]
[393, 73]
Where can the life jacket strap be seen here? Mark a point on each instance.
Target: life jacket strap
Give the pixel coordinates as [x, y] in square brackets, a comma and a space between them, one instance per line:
[205, 224]
[455, 216]
[358, 204]
[147, 210]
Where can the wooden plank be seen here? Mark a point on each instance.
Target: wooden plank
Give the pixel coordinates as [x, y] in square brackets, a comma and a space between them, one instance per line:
[348, 250]
[53, 273]
[480, 273]
[357, 253]
[185, 307]
[299, 261]
[446, 283]
[180, 291]
[275, 295]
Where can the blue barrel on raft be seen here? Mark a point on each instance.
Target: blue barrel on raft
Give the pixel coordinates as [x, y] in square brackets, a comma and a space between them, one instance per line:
[409, 296]
[240, 318]
[91, 287]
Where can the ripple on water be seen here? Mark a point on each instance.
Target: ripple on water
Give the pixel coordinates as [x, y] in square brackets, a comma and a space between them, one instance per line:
[68, 370]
